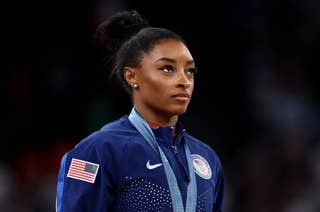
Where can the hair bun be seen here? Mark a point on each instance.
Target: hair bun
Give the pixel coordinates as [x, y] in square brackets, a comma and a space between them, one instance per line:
[113, 32]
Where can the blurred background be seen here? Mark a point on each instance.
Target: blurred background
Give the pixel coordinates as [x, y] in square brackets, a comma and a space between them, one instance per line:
[256, 99]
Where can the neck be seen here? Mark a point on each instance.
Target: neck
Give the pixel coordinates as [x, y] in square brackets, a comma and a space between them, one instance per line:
[156, 117]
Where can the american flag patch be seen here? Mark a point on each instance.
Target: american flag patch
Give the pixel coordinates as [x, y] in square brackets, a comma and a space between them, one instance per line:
[83, 170]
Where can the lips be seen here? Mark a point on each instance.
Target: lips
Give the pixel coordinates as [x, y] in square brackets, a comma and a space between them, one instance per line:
[185, 95]
[182, 96]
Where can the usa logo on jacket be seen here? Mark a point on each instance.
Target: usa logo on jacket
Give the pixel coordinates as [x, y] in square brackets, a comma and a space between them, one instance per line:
[201, 166]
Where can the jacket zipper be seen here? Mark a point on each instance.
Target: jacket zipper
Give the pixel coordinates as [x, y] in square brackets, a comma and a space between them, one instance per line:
[174, 146]
[175, 150]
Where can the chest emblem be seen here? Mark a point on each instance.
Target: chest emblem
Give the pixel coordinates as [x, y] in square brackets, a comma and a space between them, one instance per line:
[201, 166]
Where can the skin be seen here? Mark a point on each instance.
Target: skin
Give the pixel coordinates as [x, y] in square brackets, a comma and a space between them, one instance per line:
[165, 79]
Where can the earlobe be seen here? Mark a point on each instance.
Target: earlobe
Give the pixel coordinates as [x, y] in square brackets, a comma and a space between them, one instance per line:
[130, 76]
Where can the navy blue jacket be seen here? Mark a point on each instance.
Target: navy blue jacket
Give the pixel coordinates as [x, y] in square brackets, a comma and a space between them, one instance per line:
[115, 169]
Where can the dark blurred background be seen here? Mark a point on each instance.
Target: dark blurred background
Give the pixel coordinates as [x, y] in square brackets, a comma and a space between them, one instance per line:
[256, 100]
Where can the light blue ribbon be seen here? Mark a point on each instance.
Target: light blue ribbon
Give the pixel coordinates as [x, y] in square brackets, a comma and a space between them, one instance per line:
[144, 129]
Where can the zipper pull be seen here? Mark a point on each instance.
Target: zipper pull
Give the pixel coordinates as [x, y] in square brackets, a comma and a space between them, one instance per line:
[174, 147]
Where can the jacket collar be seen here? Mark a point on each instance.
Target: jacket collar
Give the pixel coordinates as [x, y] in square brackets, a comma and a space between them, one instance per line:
[168, 134]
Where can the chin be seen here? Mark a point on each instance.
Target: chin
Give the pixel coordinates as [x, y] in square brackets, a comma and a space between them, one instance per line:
[179, 110]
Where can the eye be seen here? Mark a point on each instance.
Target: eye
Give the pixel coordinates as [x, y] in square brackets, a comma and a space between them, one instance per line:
[166, 68]
[192, 71]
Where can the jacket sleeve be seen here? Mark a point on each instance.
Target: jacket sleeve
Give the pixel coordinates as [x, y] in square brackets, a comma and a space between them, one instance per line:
[85, 186]
[219, 198]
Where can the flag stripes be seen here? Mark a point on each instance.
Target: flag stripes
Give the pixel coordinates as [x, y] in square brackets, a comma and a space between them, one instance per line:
[83, 170]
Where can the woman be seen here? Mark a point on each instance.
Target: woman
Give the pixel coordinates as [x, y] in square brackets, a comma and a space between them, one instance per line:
[145, 161]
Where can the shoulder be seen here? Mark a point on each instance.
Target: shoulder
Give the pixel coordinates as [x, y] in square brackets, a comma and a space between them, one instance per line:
[111, 138]
[198, 144]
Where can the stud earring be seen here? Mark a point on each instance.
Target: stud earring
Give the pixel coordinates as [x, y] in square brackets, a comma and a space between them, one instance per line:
[135, 85]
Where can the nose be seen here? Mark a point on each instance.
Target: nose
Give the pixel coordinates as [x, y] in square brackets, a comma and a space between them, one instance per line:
[184, 80]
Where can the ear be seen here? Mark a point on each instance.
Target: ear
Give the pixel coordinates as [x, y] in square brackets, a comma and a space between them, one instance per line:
[130, 74]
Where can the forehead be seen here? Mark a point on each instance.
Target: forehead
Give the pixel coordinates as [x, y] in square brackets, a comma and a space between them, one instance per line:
[169, 48]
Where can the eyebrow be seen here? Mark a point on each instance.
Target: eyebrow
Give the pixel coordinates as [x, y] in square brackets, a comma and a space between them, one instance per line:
[166, 59]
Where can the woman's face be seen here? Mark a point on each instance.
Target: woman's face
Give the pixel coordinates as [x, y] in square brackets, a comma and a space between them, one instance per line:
[166, 79]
